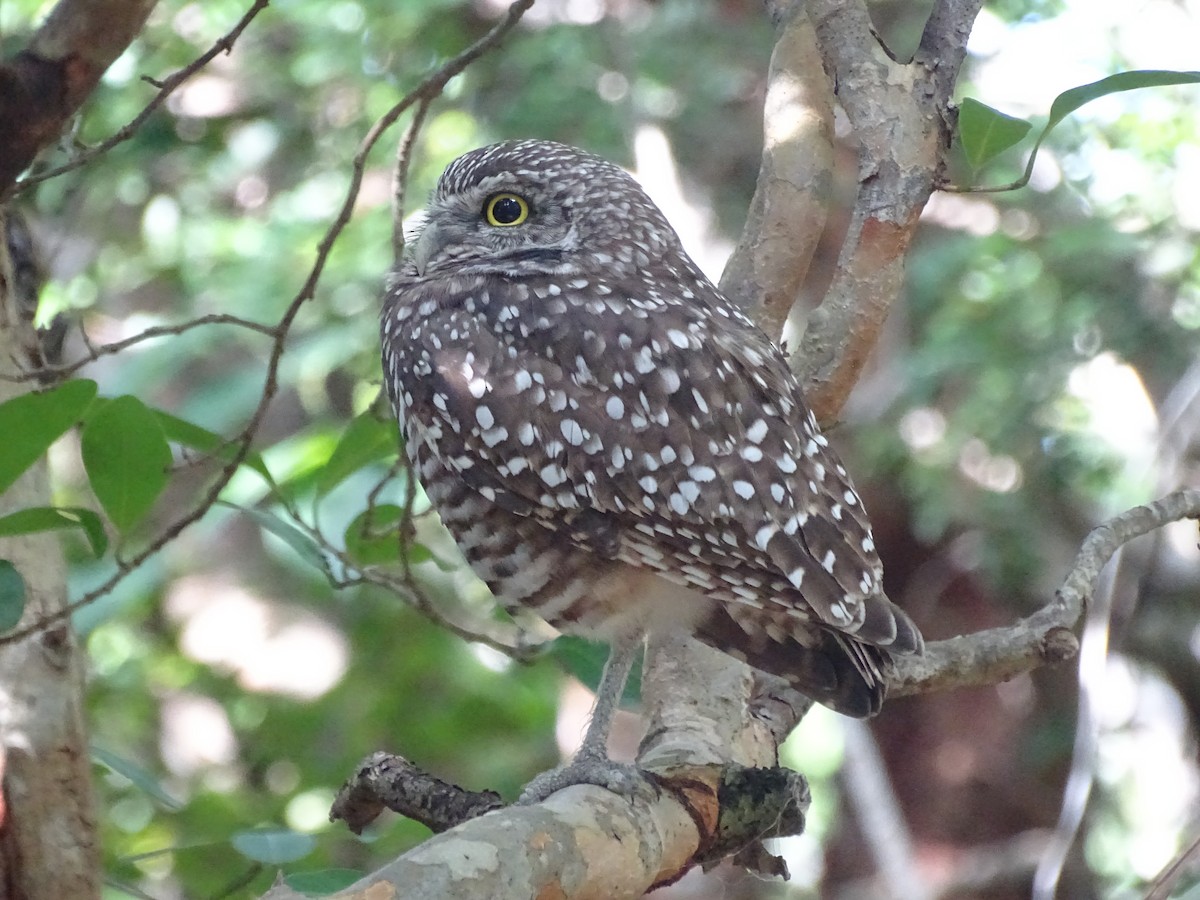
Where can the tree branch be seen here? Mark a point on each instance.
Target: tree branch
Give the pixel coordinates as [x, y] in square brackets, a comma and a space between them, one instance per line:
[223, 44]
[792, 196]
[1046, 637]
[588, 842]
[900, 118]
[44, 84]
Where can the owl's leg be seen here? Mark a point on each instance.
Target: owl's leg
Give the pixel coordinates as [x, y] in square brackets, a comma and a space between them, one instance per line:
[591, 764]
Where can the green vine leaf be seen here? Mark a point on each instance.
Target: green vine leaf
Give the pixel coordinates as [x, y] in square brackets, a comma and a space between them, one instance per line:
[273, 846]
[52, 518]
[984, 133]
[987, 133]
[127, 458]
[365, 440]
[30, 423]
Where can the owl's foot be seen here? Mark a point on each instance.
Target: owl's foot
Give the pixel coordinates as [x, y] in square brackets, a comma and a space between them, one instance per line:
[620, 778]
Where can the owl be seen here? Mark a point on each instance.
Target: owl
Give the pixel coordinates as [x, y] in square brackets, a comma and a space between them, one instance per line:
[616, 447]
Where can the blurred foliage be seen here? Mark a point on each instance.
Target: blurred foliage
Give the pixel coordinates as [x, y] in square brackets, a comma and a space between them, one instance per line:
[235, 682]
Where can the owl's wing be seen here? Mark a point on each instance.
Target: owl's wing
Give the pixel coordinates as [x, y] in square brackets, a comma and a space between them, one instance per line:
[679, 423]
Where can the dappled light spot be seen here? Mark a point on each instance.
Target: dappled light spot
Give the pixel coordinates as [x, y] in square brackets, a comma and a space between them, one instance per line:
[271, 647]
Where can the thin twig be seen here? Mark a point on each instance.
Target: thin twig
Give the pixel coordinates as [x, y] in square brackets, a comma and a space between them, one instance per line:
[95, 352]
[998, 654]
[1161, 888]
[400, 177]
[166, 87]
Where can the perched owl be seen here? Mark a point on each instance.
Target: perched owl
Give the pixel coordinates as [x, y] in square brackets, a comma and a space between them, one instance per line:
[615, 446]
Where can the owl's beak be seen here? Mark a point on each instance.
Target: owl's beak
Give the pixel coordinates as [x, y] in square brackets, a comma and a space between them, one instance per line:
[429, 243]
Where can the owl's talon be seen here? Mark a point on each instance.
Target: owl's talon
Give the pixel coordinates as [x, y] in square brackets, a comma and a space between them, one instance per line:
[620, 778]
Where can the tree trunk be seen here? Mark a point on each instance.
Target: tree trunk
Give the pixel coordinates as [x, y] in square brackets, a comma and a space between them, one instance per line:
[48, 844]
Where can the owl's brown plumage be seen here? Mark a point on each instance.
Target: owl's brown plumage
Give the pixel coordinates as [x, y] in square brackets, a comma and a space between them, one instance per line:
[613, 444]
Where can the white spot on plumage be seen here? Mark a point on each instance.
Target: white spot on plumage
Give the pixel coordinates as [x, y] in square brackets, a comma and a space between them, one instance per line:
[763, 536]
[743, 489]
[552, 475]
[643, 361]
[615, 407]
[756, 432]
[571, 431]
[493, 436]
[828, 560]
[483, 415]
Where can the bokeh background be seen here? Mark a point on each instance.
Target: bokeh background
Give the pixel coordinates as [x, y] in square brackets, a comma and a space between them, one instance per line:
[1041, 373]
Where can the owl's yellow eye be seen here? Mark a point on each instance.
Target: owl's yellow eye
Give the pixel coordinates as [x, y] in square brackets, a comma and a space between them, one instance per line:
[505, 210]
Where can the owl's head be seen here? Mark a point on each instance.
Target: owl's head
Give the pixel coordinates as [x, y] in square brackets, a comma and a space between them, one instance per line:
[538, 207]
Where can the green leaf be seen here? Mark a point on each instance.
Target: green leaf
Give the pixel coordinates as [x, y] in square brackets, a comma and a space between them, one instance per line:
[298, 540]
[984, 133]
[322, 881]
[365, 440]
[197, 437]
[371, 539]
[139, 777]
[12, 596]
[30, 423]
[49, 518]
[126, 456]
[585, 660]
[273, 846]
[1069, 101]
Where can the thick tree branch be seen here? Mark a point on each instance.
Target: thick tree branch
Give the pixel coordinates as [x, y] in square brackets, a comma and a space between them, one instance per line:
[581, 842]
[900, 119]
[792, 196]
[43, 86]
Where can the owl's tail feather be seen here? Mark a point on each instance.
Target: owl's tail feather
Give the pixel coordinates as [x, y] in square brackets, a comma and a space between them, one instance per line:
[836, 670]
[887, 625]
